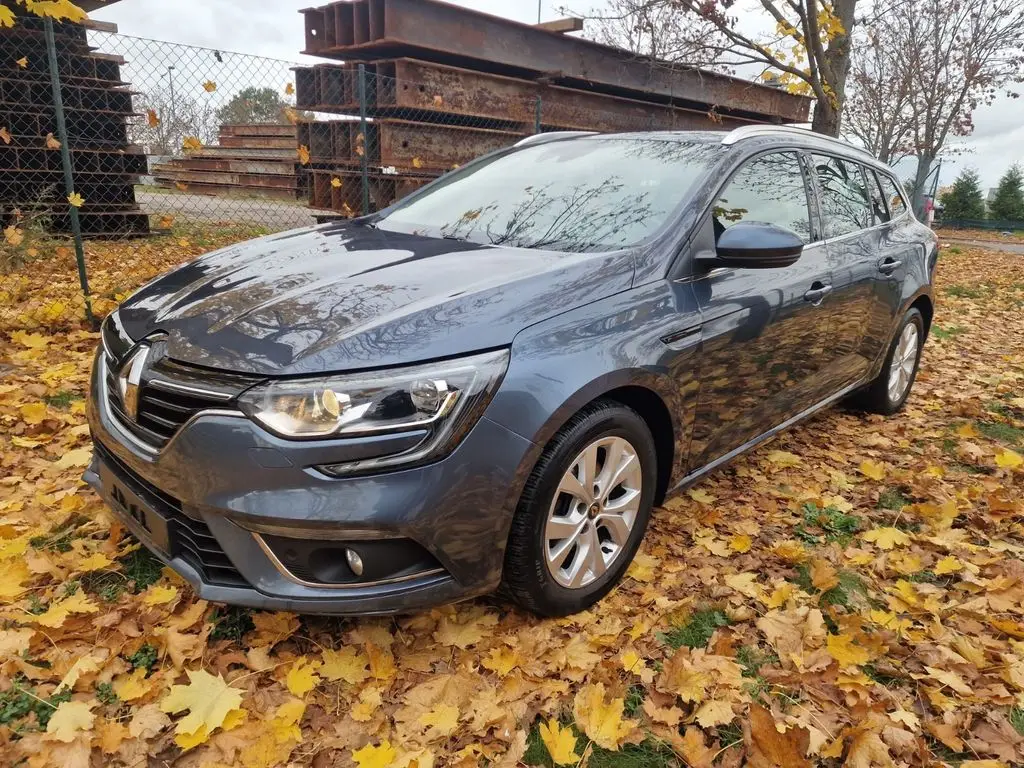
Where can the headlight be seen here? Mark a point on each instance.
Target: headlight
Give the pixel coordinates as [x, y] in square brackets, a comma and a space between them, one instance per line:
[443, 399]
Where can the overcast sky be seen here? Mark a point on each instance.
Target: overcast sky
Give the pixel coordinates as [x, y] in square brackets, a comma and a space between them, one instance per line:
[274, 28]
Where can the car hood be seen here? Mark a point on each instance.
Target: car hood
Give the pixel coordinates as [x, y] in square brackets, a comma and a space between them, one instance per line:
[347, 296]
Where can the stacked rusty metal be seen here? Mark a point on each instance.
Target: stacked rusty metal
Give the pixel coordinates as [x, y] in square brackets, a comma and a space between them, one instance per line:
[444, 84]
[253, 159]
[97, 104]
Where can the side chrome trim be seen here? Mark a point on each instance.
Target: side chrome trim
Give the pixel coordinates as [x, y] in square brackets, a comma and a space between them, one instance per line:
[314, 585]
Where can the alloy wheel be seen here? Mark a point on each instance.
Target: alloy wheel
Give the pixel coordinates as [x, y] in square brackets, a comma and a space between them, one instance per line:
[904, 359]
[593, 512]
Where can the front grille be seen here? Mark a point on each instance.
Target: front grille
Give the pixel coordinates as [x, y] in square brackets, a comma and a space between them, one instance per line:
[169, 395]
[189, 539]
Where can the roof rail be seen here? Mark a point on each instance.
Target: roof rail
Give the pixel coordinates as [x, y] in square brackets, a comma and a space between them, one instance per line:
[543, 138]
[751, 131]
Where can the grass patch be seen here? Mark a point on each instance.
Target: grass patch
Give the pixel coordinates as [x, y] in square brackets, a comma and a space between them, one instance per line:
[947, 333]
[843, 593]
[142, 568]
[231, 623]
[19, 702]
[107, 585]
[833, 523]
[144, 658]
[59, 538]
[648, 754]
[966, 291]
[892, 498]
[881, 677]
[1017, 719]
[105, 694]
[63, 399]
[696, 632]
[1002, 433]
[634, 700]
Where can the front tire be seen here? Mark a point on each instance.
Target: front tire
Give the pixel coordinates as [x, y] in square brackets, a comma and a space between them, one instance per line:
[888, 393]
[583, 512]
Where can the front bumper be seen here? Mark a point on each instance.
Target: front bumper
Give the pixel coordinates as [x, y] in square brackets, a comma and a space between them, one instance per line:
[222, 477]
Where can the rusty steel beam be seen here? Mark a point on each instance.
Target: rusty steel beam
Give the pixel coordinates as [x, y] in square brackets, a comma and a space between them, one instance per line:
[257, 129]
[227, 179]
[448, 34]
[401, 143]
[258, 142]
[346, 197]
[434, 92]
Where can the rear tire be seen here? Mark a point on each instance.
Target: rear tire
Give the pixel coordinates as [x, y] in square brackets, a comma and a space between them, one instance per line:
[888, 393]
[583, 512]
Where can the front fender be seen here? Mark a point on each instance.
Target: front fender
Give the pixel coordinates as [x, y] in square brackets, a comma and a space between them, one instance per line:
[561, 364]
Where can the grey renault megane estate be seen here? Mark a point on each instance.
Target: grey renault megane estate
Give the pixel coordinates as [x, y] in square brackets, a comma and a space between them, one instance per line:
[492, 382]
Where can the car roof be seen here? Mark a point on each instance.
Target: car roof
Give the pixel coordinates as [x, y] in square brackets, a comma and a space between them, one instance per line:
[748, 137]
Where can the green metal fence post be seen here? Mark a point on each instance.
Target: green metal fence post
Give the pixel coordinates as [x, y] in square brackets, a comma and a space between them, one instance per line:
[538, 114]
[65, 158]
[364, 160]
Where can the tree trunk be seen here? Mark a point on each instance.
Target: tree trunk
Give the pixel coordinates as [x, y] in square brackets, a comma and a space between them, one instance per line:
[826, 118]
[924, 167]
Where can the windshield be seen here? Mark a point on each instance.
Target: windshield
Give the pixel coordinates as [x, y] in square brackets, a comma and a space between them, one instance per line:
[588, 194]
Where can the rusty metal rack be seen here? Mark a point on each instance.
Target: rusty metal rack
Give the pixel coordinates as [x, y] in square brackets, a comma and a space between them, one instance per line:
[97, 105]
[256, 159]
[424, 86]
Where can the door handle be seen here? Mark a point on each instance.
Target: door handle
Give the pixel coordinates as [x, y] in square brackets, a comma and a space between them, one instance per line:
[817, 294]
[889, 265]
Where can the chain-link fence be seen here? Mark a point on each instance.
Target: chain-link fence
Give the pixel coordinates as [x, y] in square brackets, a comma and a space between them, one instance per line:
[121, 157]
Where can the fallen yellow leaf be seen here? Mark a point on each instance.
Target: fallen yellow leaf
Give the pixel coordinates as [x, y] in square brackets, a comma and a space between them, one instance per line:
[208, 700]
[560, 743]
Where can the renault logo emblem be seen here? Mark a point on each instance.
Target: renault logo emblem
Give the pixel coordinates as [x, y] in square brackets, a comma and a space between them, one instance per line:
[130, 378]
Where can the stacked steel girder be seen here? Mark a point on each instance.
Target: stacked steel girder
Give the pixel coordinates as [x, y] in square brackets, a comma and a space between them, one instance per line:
[255, 159]
[97, 105]
[444, 84]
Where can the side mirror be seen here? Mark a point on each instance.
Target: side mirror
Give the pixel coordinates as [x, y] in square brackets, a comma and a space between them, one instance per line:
[757, 245]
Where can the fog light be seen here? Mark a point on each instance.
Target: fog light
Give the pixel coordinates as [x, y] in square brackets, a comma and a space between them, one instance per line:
[355, 562]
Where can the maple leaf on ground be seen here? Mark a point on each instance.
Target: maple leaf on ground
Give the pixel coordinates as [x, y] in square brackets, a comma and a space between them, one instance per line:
[767, 748]
[1008, 459]
[784, 459]
[68, 719]
[208, 700]
[302, 677]
[872, 469]
[442, 720]
[58, 612]
[715, 712]
[375, 756]
[560, 743]
[843, 649]
[159, 594]
[695, 750]
[887, 538]
[348, 664]
[601, 719]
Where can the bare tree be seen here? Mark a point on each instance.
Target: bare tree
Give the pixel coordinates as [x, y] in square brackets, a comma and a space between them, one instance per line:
[808, 52]
[962, 53]
[878, 109]
[658, 30]
[167, 120]
[928, 66]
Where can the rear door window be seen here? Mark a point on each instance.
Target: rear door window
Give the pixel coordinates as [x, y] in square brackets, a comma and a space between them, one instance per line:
[845, 205]
[770, 189]
[879, 209]
[897, 205]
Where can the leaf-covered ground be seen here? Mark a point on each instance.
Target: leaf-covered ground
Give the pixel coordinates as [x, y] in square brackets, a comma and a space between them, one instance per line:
[849, 594]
